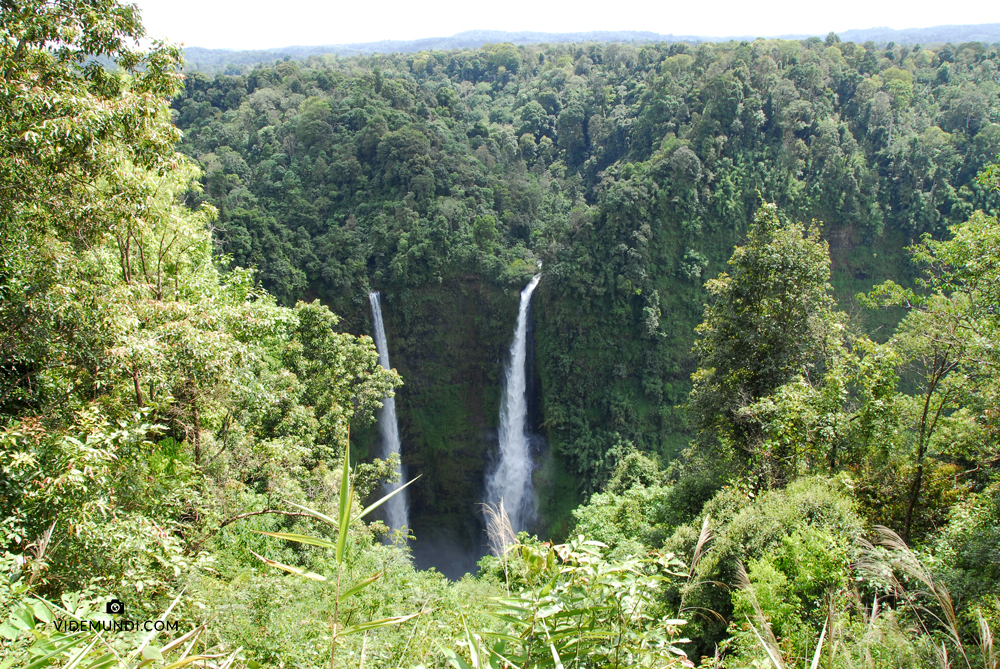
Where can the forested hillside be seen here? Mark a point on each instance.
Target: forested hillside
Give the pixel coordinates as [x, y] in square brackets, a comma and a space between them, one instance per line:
[766, 350]
[629, 172]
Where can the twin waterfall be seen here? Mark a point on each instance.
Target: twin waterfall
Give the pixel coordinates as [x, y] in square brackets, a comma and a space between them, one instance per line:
[395, 508]
[510, 482]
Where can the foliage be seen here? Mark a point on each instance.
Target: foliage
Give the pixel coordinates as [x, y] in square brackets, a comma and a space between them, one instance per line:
[138, 379]
[965, 551]
[41, 634]
[72, 129]
[346, 516]
[748, 529]
[579, 609]
[792, 587]
[947, 341]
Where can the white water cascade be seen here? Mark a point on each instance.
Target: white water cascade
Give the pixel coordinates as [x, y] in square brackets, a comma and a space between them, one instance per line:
[395, 508]
[510, 482]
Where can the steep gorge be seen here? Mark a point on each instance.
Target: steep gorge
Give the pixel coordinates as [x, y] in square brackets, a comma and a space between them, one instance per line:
[441, 178]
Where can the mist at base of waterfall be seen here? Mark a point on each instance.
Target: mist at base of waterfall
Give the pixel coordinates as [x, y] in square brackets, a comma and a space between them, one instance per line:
[448, 551]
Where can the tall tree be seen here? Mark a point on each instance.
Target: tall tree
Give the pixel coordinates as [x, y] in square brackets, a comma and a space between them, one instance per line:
[949, 341]
[134, 370]
[769, 318]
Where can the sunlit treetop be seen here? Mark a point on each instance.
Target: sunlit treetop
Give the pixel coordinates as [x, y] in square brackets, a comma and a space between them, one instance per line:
[80, 101]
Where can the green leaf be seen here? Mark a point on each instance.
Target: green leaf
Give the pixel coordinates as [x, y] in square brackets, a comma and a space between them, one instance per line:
[152, 653]
[300, 538]
[509, 619]
[42, 611]
[375, 624]
[106, 660]
[548, 586]
[384, 500]
[80, 655]
[316, 514]
[289, 569]
[551, 609]
[358, 588]
[503, 637]
[475, 653]
[71, 641]
[9, 632]
[455, 660]
[21, 619]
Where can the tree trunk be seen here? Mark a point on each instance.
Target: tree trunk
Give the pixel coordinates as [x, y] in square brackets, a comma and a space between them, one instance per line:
[914, 496]
[197, 432]
[138, 389]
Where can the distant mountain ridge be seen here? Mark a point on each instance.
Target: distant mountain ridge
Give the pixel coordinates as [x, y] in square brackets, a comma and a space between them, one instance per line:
[200, 58]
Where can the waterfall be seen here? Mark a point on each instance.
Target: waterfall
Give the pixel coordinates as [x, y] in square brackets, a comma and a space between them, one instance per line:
[395, 508]
[510, 482]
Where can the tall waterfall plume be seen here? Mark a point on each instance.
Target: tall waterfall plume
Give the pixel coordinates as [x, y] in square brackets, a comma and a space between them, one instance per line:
[395, 508]
[510, 482]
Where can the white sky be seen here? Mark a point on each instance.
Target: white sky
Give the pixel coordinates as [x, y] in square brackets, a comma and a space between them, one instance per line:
[262, 24]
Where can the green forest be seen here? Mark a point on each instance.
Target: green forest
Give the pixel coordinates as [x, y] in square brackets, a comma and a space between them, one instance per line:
[764, 353]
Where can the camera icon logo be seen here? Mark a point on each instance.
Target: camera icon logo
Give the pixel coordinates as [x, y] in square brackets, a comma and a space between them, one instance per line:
[115, 607]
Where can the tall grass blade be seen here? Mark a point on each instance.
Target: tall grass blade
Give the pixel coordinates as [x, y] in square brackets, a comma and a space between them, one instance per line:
[187, 660]
[346, 498]
[819, 648]
[375, 624]
[383, 500]
[358, 588]
[316, 514]
[291, 570]
[182, 639]
[152, 635]
[83, 653]
[300, 538]
[771, 644]
[555, 656]
[775, 658]
[474, 652]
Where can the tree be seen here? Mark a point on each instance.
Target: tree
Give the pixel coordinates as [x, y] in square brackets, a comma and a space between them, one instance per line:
[76, 139]
[134, 370]
[66, 120]
[769, 318]
[948, 340]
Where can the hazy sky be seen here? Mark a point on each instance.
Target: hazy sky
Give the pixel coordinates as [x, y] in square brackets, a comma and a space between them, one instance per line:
[259, 24]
